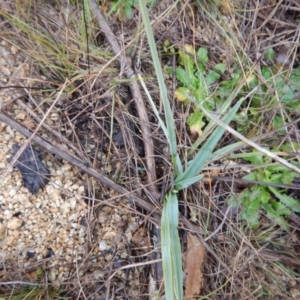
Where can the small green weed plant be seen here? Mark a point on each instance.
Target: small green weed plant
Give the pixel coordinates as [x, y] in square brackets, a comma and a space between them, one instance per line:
[124, 9]
[197, 80]
[184, 175]
[277, 94]
[275, 202]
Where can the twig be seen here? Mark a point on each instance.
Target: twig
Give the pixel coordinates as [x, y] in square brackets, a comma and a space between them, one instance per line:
[22, 283]
[79, 164]
[49, 128]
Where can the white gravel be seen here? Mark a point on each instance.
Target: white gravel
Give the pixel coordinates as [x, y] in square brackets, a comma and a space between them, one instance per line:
[56, 222]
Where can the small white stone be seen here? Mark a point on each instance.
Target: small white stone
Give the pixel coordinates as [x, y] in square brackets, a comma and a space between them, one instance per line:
[54, 116]
[21, 116]
[14, 223]
[8, 214]
[13, 50]
[52, 274]
[75, 225]
[49, 189]
[73, 203]
[98, 274]
[12, 192]
[58, 172]
[58, 183]
[74, 186]
[109, 235]
[102, 245]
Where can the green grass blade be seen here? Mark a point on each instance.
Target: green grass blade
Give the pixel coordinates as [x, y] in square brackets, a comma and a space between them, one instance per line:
[195, 165]
[177, 160]
[155, 110]
[162, 86]
[170, 247]
[183, 184]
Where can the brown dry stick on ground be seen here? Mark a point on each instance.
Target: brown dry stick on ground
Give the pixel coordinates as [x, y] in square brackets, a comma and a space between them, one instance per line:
[80, 164]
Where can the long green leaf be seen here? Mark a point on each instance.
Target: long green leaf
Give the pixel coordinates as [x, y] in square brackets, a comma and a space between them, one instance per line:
[170, 246]
[162, 85]
[188, 182]
[196, 165]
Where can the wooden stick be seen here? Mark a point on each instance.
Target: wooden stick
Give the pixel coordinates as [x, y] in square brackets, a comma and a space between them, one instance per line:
[79, 164]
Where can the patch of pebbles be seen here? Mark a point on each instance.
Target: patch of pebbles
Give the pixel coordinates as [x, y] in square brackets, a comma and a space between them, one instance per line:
[47, 221]
[54, 224]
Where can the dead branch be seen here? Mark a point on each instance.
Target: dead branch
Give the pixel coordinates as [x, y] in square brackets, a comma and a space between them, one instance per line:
[79, 164]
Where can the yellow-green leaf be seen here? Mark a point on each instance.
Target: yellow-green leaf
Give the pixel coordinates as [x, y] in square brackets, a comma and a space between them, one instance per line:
[180, 93]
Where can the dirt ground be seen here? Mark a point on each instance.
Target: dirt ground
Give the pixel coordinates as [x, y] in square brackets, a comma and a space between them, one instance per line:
[91, 232]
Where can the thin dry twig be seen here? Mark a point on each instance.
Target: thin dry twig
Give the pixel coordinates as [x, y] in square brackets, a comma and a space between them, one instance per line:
[247, 182]
[279, 257]
[79, 164]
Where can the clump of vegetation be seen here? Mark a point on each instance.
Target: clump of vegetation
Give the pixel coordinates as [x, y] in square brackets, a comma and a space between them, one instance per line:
[124, 9]
[197, 81]
[274, 201]
[254, 98]
[202, 81]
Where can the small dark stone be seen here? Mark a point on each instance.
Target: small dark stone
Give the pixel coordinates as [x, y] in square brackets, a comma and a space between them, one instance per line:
[49, 253]
[118, 139]
[30, 255]
[34, 175]
[118, 263]
[17, 214]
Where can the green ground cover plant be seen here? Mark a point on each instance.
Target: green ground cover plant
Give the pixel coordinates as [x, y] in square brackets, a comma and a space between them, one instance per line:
[200, 80]
[197, 81]
[124, 10]
[275, 202]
